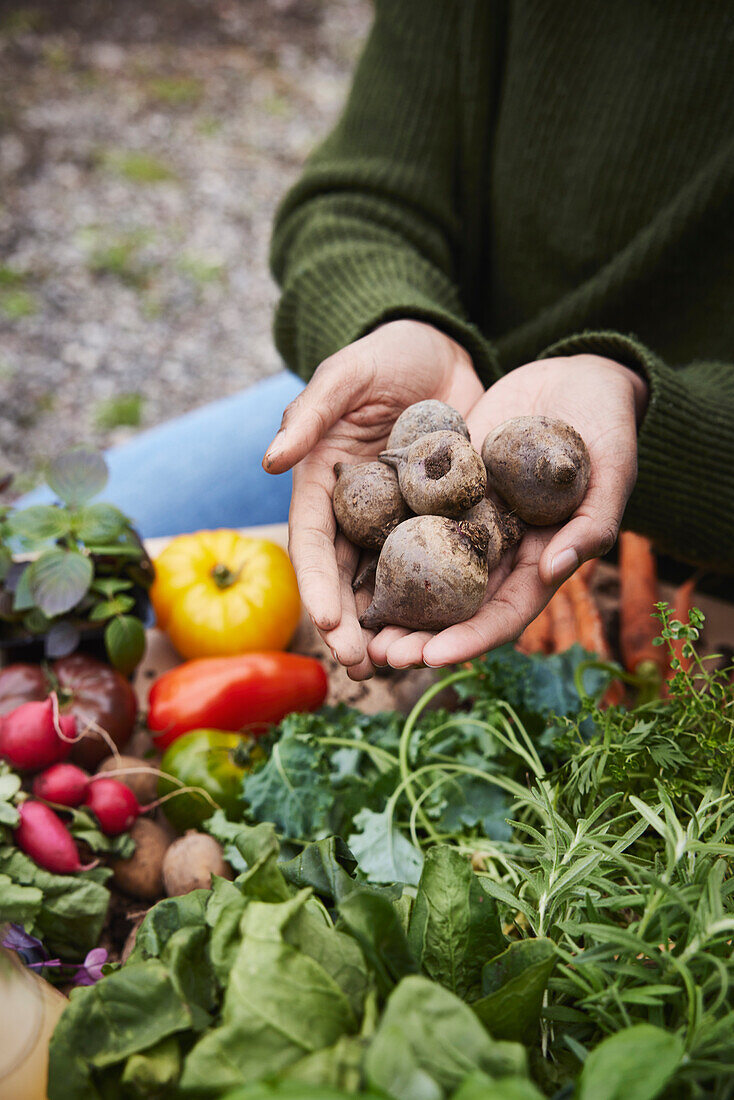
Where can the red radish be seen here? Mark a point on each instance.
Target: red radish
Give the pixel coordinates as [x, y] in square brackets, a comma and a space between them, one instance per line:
[64, 784]
[44, 837]
[113, 804]
[28, 737]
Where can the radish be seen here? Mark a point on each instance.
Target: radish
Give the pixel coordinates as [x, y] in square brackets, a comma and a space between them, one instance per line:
[29, 740]
[113, 804]
[64, 784]
[44, 837]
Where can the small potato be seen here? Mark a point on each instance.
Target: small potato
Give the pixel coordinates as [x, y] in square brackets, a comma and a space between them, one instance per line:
[190, 863]
[141, 876]
[139, 775]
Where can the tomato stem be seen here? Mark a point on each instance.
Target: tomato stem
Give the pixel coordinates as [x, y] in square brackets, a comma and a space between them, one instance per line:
[223, 576]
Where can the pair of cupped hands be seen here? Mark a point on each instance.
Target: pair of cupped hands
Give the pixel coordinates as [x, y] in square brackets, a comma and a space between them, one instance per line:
[345, 414]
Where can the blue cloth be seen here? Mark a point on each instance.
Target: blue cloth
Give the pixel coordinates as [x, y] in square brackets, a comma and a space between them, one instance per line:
[203, 469]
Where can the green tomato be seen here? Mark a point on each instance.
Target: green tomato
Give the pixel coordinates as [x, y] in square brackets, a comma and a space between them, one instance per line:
[215, 762]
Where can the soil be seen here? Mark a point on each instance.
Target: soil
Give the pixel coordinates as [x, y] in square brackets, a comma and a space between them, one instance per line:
[143, 150]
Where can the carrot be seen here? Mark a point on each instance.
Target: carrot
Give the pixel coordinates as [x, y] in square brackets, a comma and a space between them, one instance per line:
[589, 629]
[537, 637]
[637, 597]
[563, 620]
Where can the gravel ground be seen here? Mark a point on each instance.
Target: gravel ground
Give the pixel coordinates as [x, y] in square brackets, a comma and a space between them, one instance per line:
[142, 154]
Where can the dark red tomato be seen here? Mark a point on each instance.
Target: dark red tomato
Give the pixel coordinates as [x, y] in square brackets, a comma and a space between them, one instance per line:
[92, 691]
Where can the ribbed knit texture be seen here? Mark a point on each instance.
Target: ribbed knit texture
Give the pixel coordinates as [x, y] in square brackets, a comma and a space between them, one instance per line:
[539, 178]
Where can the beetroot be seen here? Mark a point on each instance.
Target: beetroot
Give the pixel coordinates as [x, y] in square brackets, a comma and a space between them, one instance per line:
[64, 784]
[113, 804]
[28, 737]
[44, 837]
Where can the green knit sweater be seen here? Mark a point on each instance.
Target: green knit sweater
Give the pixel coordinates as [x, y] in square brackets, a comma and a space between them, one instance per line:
[540, 178]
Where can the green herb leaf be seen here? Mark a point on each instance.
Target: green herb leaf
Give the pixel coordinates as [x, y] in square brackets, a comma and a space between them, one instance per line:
[634, 1064]
[58, 579]
[454, 926]
[105, 609]
[61, 639]
[124, 638]
[39, 523]
[514, 984]
[99, 522]
[77, 476]
[110, 586]
[22, 595]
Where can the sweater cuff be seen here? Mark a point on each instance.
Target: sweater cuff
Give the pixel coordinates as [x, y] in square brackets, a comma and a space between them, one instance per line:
[683, 435]
[326, 312]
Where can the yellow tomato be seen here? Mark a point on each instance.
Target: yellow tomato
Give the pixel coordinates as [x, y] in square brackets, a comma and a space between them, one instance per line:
[218, 593]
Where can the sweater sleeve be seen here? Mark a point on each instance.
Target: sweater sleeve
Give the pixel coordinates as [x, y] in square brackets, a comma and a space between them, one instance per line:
[685, 484]
[371, 231]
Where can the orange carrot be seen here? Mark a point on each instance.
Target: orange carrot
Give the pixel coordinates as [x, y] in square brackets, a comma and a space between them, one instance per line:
[589, 629]
[563, 620]
[537, 637]
[638, 593]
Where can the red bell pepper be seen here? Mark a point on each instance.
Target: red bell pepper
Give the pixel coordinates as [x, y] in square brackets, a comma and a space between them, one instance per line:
[250, 691]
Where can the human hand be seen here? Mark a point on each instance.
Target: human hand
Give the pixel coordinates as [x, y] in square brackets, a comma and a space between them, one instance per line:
[345, 414]
[604, 402]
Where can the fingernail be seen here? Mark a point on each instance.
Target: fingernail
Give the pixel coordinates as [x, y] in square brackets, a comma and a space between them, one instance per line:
[333, 654]
[563, 564]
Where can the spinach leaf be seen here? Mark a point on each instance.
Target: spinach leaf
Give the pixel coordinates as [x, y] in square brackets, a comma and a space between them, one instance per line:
[480, 1087]
[279, 1005]
[19, 904]
[327, 866]
[129, 1011]
[454, 926]
[165, 919]
[375, 923]
[634, 1064]
[292, 1090]
[514, 983]
[428, 1041]
[384, 855]
[9, 787]
[73, 908]
[154, 1072]
[224, 911]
